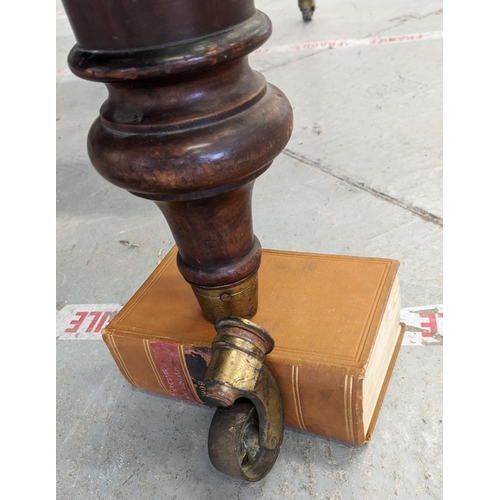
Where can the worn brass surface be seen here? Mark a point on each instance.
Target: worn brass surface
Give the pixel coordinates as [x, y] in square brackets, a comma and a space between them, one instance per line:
[247, 431]
[307, 7]
[236, 299]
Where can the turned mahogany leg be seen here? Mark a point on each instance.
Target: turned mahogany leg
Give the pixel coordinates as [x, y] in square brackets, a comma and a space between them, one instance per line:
[187, 124]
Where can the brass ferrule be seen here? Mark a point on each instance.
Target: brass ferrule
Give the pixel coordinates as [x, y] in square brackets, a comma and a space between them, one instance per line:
[237, 299]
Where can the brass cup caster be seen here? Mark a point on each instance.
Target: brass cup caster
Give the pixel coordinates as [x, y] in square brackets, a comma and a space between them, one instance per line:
[307, 8]
[247, 429]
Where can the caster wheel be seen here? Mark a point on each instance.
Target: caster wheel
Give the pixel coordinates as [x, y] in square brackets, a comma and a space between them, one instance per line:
[307, 15]
[233, 443]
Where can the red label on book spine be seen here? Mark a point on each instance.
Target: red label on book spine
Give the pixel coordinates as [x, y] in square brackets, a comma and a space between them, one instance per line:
[167, 360]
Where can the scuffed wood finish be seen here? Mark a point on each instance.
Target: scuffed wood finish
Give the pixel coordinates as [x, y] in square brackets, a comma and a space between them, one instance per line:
[188, 124]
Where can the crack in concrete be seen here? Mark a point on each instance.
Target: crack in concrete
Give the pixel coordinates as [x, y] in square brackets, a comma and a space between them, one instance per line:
[403, 19]
[420, 212]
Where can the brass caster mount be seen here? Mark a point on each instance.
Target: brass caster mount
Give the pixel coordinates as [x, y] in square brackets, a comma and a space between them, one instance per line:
[307, 8]
[247, 429]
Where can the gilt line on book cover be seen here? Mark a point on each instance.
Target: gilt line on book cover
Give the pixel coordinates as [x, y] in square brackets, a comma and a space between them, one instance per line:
[149, 355]
[119, 361]
[296, 397]
[348, 407]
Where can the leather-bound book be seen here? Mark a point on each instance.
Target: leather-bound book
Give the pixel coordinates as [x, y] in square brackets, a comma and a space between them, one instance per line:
[334, 320]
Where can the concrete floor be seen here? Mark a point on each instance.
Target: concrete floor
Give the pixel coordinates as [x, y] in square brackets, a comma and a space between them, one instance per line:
[361, 175]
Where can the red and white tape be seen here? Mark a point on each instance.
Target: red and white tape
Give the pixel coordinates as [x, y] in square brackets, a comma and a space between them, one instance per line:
[353, 42]
[84, 321]
[424, 324]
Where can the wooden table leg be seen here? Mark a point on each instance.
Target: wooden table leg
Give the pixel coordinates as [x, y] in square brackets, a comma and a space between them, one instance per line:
[189, 125]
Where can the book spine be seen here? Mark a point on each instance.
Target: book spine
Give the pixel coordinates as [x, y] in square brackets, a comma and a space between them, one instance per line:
[320, 400]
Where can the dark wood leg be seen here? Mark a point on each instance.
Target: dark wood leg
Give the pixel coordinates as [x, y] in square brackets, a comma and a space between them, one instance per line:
[189, 125]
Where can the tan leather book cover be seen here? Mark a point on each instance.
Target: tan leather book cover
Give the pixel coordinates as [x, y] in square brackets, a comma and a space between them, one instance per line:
[334, 319]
